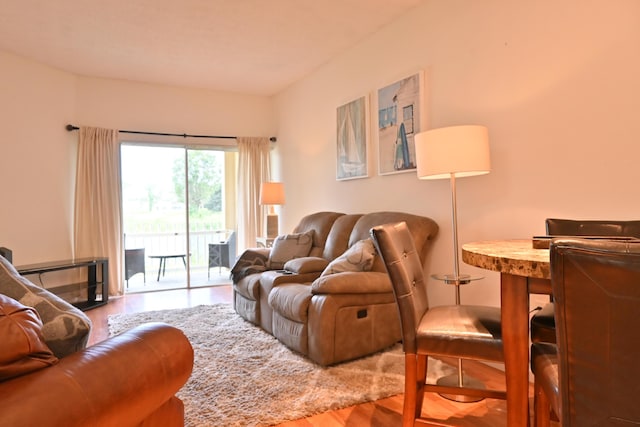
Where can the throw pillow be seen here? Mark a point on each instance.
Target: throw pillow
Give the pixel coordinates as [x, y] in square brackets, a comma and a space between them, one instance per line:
[288, 247]
[65, 328]
[358, 257]
[23, 349]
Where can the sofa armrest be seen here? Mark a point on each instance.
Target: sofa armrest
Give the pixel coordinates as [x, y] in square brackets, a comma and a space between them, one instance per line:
[120, 381]
[309, 264]
[351, 282]
[272, 278]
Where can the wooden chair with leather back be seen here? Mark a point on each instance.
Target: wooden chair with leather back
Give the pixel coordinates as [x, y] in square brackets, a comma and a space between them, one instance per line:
[543, 322]
[591, 377]
[459, 331]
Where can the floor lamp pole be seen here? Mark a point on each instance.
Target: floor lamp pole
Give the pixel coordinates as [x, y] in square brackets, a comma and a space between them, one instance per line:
[456, 261]
[458, 379]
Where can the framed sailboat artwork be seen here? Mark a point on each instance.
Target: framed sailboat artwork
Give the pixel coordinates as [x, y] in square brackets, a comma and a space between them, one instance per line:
[400, 117]
[351, 143]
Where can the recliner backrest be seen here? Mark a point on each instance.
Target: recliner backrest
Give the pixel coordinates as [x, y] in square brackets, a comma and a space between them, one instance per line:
[320, 223]
[596, 285]
[338, 238]
[422, 229]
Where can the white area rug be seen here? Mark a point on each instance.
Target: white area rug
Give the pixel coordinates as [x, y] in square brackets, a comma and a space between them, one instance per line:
[243, 376]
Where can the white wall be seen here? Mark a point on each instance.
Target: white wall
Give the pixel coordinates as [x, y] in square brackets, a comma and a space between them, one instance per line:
[137, 106]
[37, 154]
[37, 159]
[555, 82]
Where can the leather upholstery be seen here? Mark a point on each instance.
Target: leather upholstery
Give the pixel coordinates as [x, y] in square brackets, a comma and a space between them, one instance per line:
[23, 348]
[544, 361]
[461, 331]
[543, 322]
[251, 295]
[468, 332]
[127, 380]
[572, 227]
[335, 317]
[597, 299]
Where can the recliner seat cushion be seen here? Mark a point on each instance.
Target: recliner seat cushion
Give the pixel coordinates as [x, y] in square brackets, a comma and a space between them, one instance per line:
[23, 349]
[291, 300]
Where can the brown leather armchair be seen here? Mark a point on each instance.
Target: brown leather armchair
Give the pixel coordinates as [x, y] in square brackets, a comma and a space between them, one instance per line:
[591, 377]
[127, 380]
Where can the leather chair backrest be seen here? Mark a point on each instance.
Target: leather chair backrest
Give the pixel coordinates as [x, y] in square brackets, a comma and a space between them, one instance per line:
[571, 227]
[338, 239]
[422, 229]
[395, 244]
[320, 223]
[596, 285]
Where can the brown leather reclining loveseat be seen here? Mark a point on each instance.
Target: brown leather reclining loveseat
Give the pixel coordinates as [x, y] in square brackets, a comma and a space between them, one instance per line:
[48, 378]
[328, 295]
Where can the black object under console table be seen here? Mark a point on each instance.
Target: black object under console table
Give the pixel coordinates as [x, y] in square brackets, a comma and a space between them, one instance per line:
[97, 275]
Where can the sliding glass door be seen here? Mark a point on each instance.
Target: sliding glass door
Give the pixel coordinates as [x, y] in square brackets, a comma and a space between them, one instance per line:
[177, 201]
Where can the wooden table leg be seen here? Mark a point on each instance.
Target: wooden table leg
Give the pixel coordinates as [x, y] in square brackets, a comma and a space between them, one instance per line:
[515, 335]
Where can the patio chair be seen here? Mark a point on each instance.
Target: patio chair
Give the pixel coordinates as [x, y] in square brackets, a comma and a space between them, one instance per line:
[222, 254]
[134, 263]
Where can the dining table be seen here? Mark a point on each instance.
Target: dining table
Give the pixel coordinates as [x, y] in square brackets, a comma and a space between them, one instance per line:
[524, 270]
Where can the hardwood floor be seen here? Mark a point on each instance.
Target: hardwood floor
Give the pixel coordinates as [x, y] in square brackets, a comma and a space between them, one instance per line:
[381, 413]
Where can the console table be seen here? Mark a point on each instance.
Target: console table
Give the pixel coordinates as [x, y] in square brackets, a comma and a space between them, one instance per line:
[97, 275]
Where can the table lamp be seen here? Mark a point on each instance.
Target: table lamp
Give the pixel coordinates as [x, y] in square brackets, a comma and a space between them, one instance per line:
[450, 153]
[271, 194]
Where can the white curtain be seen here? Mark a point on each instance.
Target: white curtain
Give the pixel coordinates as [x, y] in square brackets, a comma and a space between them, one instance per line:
[253, 169]
[97, 223]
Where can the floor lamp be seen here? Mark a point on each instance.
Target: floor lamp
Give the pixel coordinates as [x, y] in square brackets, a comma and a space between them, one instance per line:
[272, 193]
[450, 153]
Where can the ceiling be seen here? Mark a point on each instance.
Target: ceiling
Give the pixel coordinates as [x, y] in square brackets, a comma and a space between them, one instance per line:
[247, 46]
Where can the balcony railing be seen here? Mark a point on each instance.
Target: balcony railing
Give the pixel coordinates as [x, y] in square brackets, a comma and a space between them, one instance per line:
[174, 243]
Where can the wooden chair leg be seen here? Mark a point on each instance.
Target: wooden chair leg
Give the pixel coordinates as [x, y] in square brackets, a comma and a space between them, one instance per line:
[421, 378]
[542, 407]
[410, 408]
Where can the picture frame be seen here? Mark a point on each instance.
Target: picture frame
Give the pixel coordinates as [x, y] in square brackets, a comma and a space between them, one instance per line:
[400, 117]
[352, 135]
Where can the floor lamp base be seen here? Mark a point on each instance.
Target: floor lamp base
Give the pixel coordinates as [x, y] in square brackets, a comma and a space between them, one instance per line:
[452, 381]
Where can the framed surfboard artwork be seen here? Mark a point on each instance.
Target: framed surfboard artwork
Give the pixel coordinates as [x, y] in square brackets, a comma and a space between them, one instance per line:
[400, 117]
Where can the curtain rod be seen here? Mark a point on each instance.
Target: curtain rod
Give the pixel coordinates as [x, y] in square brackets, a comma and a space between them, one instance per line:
[184, 135]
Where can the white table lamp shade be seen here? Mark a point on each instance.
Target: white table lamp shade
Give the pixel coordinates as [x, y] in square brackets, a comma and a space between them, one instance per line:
[461, 150]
